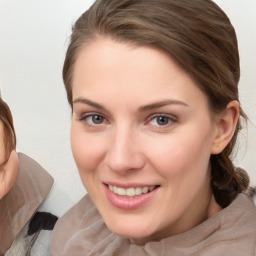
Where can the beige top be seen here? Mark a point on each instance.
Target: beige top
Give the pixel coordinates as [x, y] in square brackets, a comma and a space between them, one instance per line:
[20, 204]
[232, 231]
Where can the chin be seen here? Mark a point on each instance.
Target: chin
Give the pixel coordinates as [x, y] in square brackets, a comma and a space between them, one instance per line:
[131, 231]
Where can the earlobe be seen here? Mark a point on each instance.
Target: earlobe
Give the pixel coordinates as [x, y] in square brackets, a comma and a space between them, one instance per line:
[226, 126]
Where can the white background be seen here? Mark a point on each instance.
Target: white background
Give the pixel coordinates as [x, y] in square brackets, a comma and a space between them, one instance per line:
[33, 40]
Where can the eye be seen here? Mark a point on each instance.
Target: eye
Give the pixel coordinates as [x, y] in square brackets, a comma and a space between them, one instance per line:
[94, 119]
[161, 120]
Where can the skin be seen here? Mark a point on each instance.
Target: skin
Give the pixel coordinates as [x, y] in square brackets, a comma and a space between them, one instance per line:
[9, 171]
[119, 92]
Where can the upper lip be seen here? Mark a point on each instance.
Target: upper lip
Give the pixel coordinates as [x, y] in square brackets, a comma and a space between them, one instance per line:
[129, 185]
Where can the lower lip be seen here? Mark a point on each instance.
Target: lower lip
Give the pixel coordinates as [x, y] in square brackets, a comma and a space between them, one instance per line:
[129, 203]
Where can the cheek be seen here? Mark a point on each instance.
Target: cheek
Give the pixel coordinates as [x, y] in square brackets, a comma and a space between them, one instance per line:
[9, 173]
[87, 150]
[2, 146]
[180, 154]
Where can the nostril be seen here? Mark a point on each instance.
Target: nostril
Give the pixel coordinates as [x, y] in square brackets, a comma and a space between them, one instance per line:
[125, 163]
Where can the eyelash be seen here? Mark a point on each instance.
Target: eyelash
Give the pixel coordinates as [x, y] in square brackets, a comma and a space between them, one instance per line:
[85, 118]
[170, 120]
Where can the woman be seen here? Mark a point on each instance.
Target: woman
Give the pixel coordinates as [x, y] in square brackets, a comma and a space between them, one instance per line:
[24, 185]
[153, 87]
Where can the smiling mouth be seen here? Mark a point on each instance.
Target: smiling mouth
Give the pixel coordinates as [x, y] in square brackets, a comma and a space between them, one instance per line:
[131, 192]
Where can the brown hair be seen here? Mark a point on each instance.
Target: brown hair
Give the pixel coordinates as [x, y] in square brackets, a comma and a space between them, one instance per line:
[8, 129]
[198, 34]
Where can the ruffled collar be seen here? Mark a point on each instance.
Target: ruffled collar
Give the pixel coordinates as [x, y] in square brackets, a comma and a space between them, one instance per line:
[232, 231]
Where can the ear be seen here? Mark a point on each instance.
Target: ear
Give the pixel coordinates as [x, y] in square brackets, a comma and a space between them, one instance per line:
[226, 126]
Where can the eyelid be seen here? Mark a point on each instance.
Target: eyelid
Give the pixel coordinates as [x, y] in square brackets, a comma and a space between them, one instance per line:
[87, 114]
[83, 117]
[172, 118]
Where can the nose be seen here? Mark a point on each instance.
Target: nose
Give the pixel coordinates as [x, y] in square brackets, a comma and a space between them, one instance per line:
[124, 152]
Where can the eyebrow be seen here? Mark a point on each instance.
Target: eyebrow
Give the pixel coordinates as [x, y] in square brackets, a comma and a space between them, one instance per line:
[88, 102]
[160, 104]
[147, 107]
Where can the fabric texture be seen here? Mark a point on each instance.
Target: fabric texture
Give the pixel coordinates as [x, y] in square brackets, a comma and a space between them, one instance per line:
[21, 203]
[232, 231]
[36, 244]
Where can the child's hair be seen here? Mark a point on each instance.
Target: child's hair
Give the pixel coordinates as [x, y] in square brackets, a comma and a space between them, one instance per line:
[198, 34]
[8, 129]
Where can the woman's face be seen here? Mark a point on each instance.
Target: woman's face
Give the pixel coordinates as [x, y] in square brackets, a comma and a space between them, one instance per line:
[141, 136]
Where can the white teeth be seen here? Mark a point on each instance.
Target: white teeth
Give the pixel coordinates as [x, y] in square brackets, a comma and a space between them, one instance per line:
[131, 192]
[145, 190]
[121, 191]
[138, 191]
[151, 188]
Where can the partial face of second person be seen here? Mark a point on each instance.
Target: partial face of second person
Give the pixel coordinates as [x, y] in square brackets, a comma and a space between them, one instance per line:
[9, 170]
[142, 135]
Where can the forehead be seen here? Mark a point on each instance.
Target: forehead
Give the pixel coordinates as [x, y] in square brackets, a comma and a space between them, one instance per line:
[106, 68]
